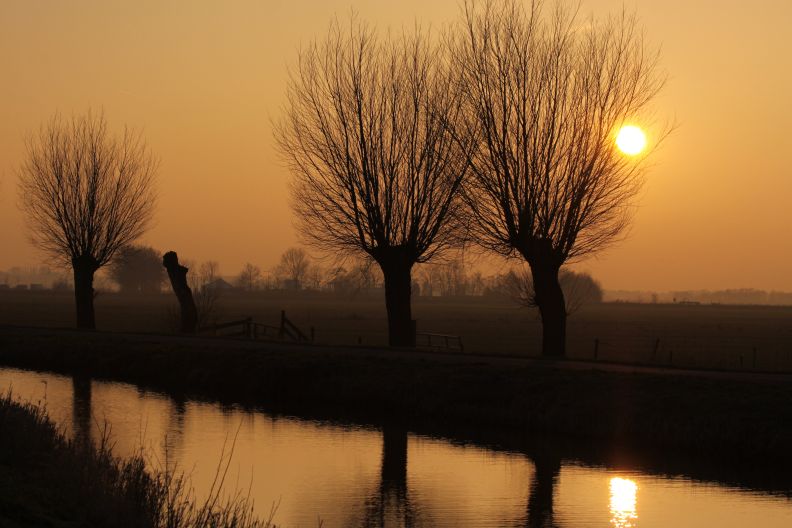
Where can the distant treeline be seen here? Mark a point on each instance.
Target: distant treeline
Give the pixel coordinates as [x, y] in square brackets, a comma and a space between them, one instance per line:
[730, 296]
[138, 269]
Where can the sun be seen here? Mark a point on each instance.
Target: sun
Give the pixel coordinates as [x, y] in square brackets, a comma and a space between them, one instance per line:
[631, 140]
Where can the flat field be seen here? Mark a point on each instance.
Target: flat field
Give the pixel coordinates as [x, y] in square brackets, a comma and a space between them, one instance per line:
[708, 336]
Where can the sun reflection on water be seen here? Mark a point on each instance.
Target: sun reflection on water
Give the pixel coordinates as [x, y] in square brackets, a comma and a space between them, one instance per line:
[623, 503]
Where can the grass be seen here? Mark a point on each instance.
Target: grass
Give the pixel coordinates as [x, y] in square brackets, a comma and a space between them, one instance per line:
[49, 480]
[714, 336]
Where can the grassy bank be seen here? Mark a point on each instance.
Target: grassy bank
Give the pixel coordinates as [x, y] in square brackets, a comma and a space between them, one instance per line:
[732, 419]
[49, 480]
[710, 336]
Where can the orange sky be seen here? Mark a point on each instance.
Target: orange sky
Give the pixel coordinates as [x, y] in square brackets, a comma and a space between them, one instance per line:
[204, 79]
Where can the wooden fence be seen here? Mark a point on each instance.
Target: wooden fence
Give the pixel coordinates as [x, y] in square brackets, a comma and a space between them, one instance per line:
[247, 328]
[439, 341]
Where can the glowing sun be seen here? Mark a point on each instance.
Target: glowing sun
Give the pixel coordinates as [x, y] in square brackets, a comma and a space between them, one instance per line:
[631, 140]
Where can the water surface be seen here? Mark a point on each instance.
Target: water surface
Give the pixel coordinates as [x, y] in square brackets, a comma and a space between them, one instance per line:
[359, 476]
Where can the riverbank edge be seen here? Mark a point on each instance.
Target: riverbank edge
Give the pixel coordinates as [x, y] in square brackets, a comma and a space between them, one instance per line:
[48, 479]
[725, 419]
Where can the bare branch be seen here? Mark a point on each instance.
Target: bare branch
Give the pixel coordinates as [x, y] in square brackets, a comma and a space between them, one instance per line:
[366, 135]
[548, 92]
[86, 193]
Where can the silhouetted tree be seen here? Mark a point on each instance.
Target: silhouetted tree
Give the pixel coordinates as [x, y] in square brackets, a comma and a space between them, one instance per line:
[547, 94]
[375, 168]
[249, 278]
[137, 269]
[293, 266]
[207, 290]
[314, 277]
[86, 194]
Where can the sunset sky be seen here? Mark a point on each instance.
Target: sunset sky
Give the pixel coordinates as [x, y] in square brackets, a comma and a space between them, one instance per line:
[204, 79]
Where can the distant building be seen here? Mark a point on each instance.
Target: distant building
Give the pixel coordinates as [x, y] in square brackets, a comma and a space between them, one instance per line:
[220, 285]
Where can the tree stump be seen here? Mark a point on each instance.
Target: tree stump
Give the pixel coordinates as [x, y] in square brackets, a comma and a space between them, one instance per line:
[178, 279]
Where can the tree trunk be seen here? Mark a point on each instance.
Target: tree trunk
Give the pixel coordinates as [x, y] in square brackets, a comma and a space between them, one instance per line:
[178, 279]
[398, 284]
[549, 298]
[84, 268]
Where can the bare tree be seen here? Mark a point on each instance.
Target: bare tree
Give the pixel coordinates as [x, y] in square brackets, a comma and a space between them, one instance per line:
[294, 265]
[249, 278]
[547, 93]
[376, 171]
[315, 277]
[86, 194]
[205, 284]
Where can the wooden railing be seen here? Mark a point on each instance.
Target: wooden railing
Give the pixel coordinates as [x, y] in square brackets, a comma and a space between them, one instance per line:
[290, 330]
[240, 328]
[248, 329]
[443, 341]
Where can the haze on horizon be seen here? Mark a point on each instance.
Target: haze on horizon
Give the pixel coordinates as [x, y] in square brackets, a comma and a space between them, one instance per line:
[204, 80]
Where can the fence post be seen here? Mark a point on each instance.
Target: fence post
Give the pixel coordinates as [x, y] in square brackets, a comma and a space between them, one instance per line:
[656, 349]
[754, 358]
[312, 334]
[282, 330]
[596, 348]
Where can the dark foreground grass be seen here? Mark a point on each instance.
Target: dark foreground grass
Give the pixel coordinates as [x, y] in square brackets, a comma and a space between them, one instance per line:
[727, 419]
[49, 480]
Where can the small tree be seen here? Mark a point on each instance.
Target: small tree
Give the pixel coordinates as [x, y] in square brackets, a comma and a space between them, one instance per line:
[580, 289]
[375, 168]
[86, 194]
[249, 278]
[207, 293]
[294, 265]
[138, 269]
[546, 95]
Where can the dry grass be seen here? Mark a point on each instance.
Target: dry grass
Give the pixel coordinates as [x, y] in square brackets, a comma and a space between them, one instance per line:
[49, 480]
[715, 336]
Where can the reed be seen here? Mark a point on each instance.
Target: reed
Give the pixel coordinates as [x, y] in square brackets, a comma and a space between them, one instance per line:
[49, 479]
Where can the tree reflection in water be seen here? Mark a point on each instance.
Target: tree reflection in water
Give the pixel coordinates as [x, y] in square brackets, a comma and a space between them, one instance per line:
[81, 408]
[390, 505]
[547, 468]
[174, 434]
